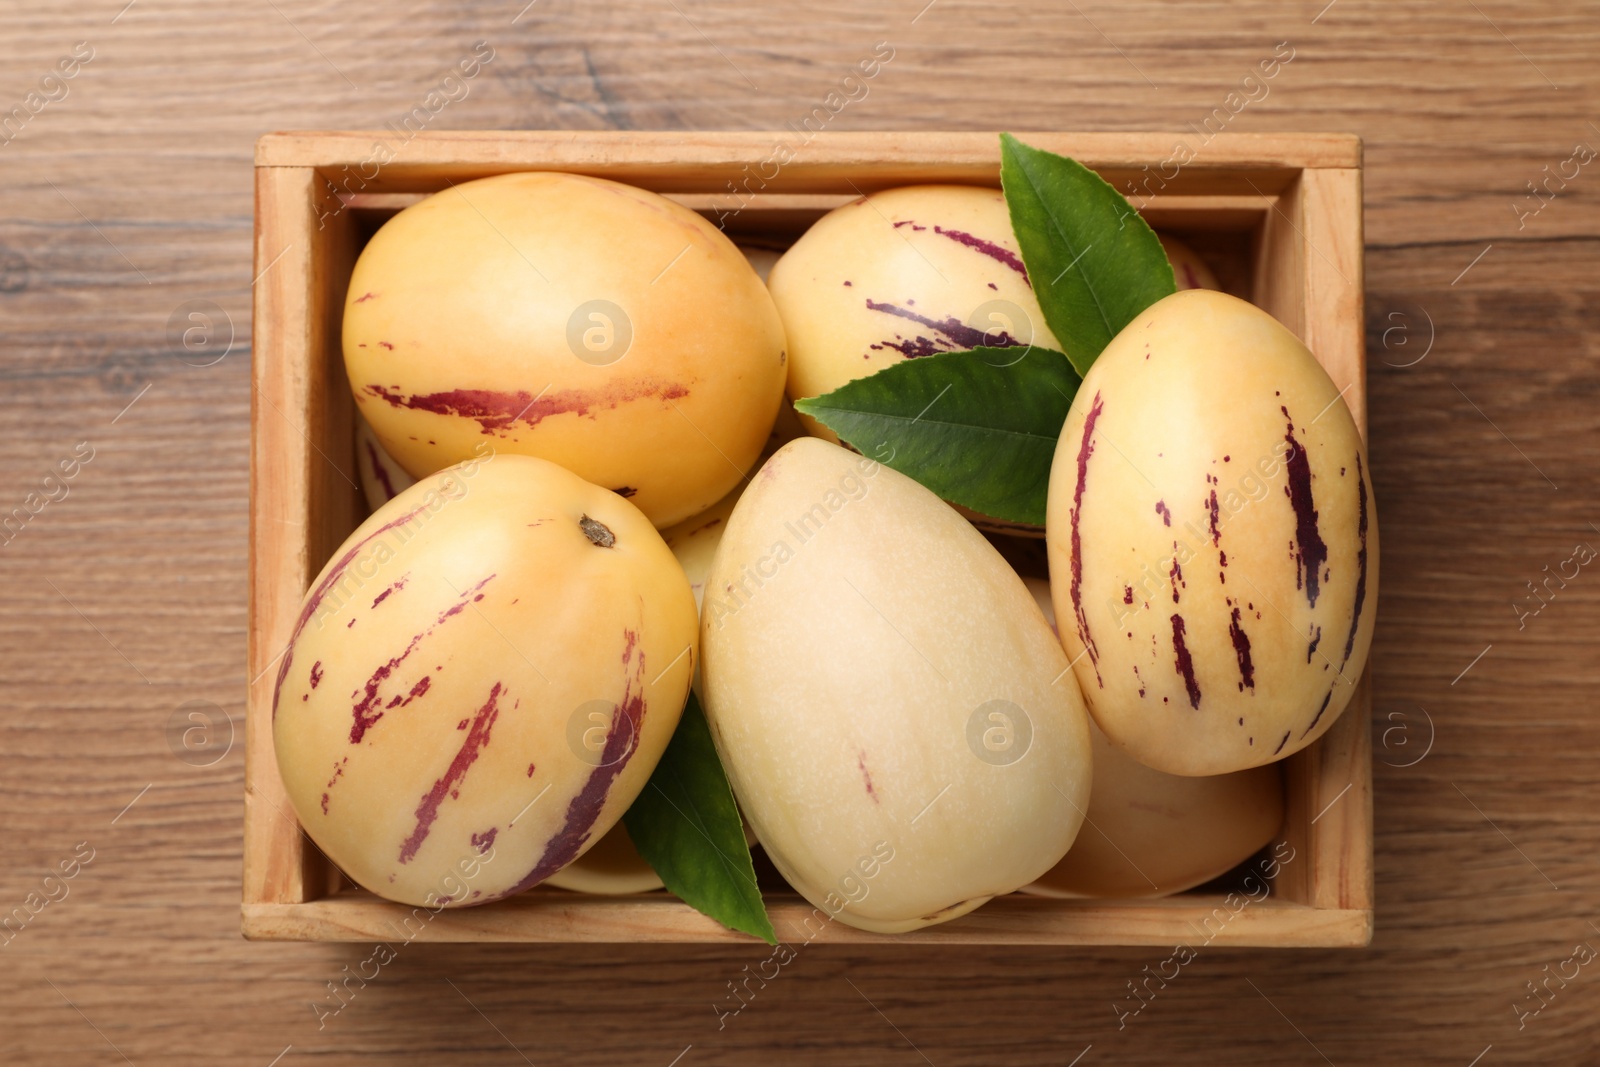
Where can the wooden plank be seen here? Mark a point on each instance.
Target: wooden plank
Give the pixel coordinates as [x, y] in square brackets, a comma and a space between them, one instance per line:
[279, 867]
[1281, 261]
[1011, 920]
[671, 149]
[1341, 804]
[1309, 276]
[824, 162]
[1339, 785]
[1332, 241]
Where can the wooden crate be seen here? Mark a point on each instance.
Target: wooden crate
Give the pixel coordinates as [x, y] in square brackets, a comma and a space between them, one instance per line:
[1277, 215]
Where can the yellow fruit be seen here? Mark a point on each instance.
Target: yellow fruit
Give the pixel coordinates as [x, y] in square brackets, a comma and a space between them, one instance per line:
[1213, 539]
[481, 681]
[902, 273]
[586, 322]
[910, 272]
[1151, 834]
[898, 722]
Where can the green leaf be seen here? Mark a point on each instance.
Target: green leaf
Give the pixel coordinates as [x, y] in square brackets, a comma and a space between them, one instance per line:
[1094, 263]
[686, 826]
[978, 427]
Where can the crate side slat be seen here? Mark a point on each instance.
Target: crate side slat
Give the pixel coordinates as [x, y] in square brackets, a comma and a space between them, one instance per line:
[783, 161]
[1341, 840]
[1280, 261]
[1012, 920]
[278, 865]
[1341, 780]
[679, 148]
[329, 413]
[1309, 277]
[1335, 325]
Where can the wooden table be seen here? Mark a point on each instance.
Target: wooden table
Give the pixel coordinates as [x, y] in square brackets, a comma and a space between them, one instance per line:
[127, 205]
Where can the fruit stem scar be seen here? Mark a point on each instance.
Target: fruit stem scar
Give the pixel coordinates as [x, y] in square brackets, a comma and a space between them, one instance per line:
[598, 533]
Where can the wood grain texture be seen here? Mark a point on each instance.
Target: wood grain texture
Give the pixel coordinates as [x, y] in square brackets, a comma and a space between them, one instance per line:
[126, 598]
[669, 162]
[556, 917]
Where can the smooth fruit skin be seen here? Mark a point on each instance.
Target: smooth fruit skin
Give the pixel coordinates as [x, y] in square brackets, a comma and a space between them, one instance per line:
[1213, 539]
[898, 722]
[1153, 834]
[482, 677]
[901, 273]
[586, 322]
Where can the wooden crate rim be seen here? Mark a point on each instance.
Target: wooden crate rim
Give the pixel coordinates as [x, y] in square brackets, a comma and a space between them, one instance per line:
[1016, 920]
[845, 149]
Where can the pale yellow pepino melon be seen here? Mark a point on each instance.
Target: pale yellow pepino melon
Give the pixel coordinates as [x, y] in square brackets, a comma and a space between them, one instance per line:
[481, 681]
[901, 273]
[587, 322]
[897, 720]
[910, 272]
[1213, 539]
[1150, 834]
